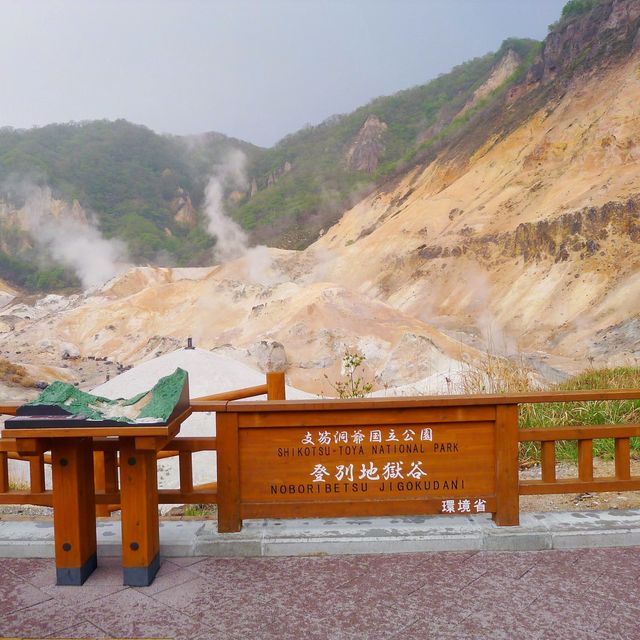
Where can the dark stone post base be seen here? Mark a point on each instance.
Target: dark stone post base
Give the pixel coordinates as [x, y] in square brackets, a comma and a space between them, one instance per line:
[141, 576]
[67, 576]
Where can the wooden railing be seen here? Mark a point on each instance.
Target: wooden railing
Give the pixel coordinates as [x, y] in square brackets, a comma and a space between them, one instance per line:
[106, 459]
[36, 494]
[622, 480]
[585, 481]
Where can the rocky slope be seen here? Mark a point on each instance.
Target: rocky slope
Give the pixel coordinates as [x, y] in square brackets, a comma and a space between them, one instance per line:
[303, 184]
[536, 234]
[151, 191]
[275, 323]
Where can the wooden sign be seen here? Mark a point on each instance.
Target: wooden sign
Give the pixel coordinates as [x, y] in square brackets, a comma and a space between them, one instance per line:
[452, 463]
[373, 457]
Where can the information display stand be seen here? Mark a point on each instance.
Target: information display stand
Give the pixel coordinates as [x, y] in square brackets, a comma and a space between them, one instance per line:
[74, 513]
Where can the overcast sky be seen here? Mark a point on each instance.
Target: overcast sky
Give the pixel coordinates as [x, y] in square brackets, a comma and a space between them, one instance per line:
[253, 69]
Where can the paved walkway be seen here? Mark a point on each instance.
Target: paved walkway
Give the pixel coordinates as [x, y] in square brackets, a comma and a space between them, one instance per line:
[585, 594]
[357, 536]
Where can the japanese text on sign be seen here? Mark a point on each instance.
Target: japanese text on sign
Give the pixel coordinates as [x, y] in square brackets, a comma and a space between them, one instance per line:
[358, 437]
[448, 464]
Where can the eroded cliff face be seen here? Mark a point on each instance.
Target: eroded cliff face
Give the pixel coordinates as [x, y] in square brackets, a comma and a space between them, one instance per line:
[266, 181]
[365, 151]
[184, 212]
[586, 41]
[579, 234]
[18, 224]
[536, 235]
[503, 70]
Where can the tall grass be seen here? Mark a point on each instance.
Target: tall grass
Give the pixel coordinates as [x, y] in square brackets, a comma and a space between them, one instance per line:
[495, 374]
[502, 376]
[589, 413]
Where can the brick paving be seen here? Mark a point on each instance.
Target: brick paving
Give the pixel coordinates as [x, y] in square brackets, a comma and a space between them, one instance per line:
[538, 595]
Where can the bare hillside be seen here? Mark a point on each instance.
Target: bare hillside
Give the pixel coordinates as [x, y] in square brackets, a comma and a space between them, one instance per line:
[536, 235]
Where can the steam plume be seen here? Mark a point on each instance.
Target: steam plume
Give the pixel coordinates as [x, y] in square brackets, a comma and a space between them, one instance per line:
[232, 240]
[72, 240]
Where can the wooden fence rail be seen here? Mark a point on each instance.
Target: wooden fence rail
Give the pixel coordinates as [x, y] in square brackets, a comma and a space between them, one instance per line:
[315, 414]
[585, 481]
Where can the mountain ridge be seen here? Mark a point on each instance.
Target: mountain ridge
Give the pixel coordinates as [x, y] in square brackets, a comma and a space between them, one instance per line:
[149, 190]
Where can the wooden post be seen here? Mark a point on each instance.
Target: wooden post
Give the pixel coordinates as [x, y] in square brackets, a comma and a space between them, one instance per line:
[111, 476]
[507, 481]
[4, 472]
[105, 464]
[186, 471]
[585, 460]
[102, 510]
[36, 473]
[548, 452]
[140, 522]
[275, 386]
[74, 510]
[623, 458]
[228, 452]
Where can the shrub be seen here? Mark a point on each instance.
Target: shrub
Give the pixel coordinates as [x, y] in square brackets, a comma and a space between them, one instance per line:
[568, 414]
[353, 384]
[495, 374]
[502, 376]
[577, 7]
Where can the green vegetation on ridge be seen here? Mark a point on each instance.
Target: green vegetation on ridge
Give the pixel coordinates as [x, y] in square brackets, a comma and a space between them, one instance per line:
[573, 9]
[130, 178]
[134, 181]
[498, 375]
[321, 184]
[26, 273]
[577, 7]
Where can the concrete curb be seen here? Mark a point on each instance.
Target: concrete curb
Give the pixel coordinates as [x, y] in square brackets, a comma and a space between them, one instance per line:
[182, 538]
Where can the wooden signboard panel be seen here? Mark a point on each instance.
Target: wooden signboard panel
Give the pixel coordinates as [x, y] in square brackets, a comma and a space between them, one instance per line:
[366, 462]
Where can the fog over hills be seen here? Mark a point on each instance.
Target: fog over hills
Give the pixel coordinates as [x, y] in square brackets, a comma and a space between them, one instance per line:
[157, 194]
